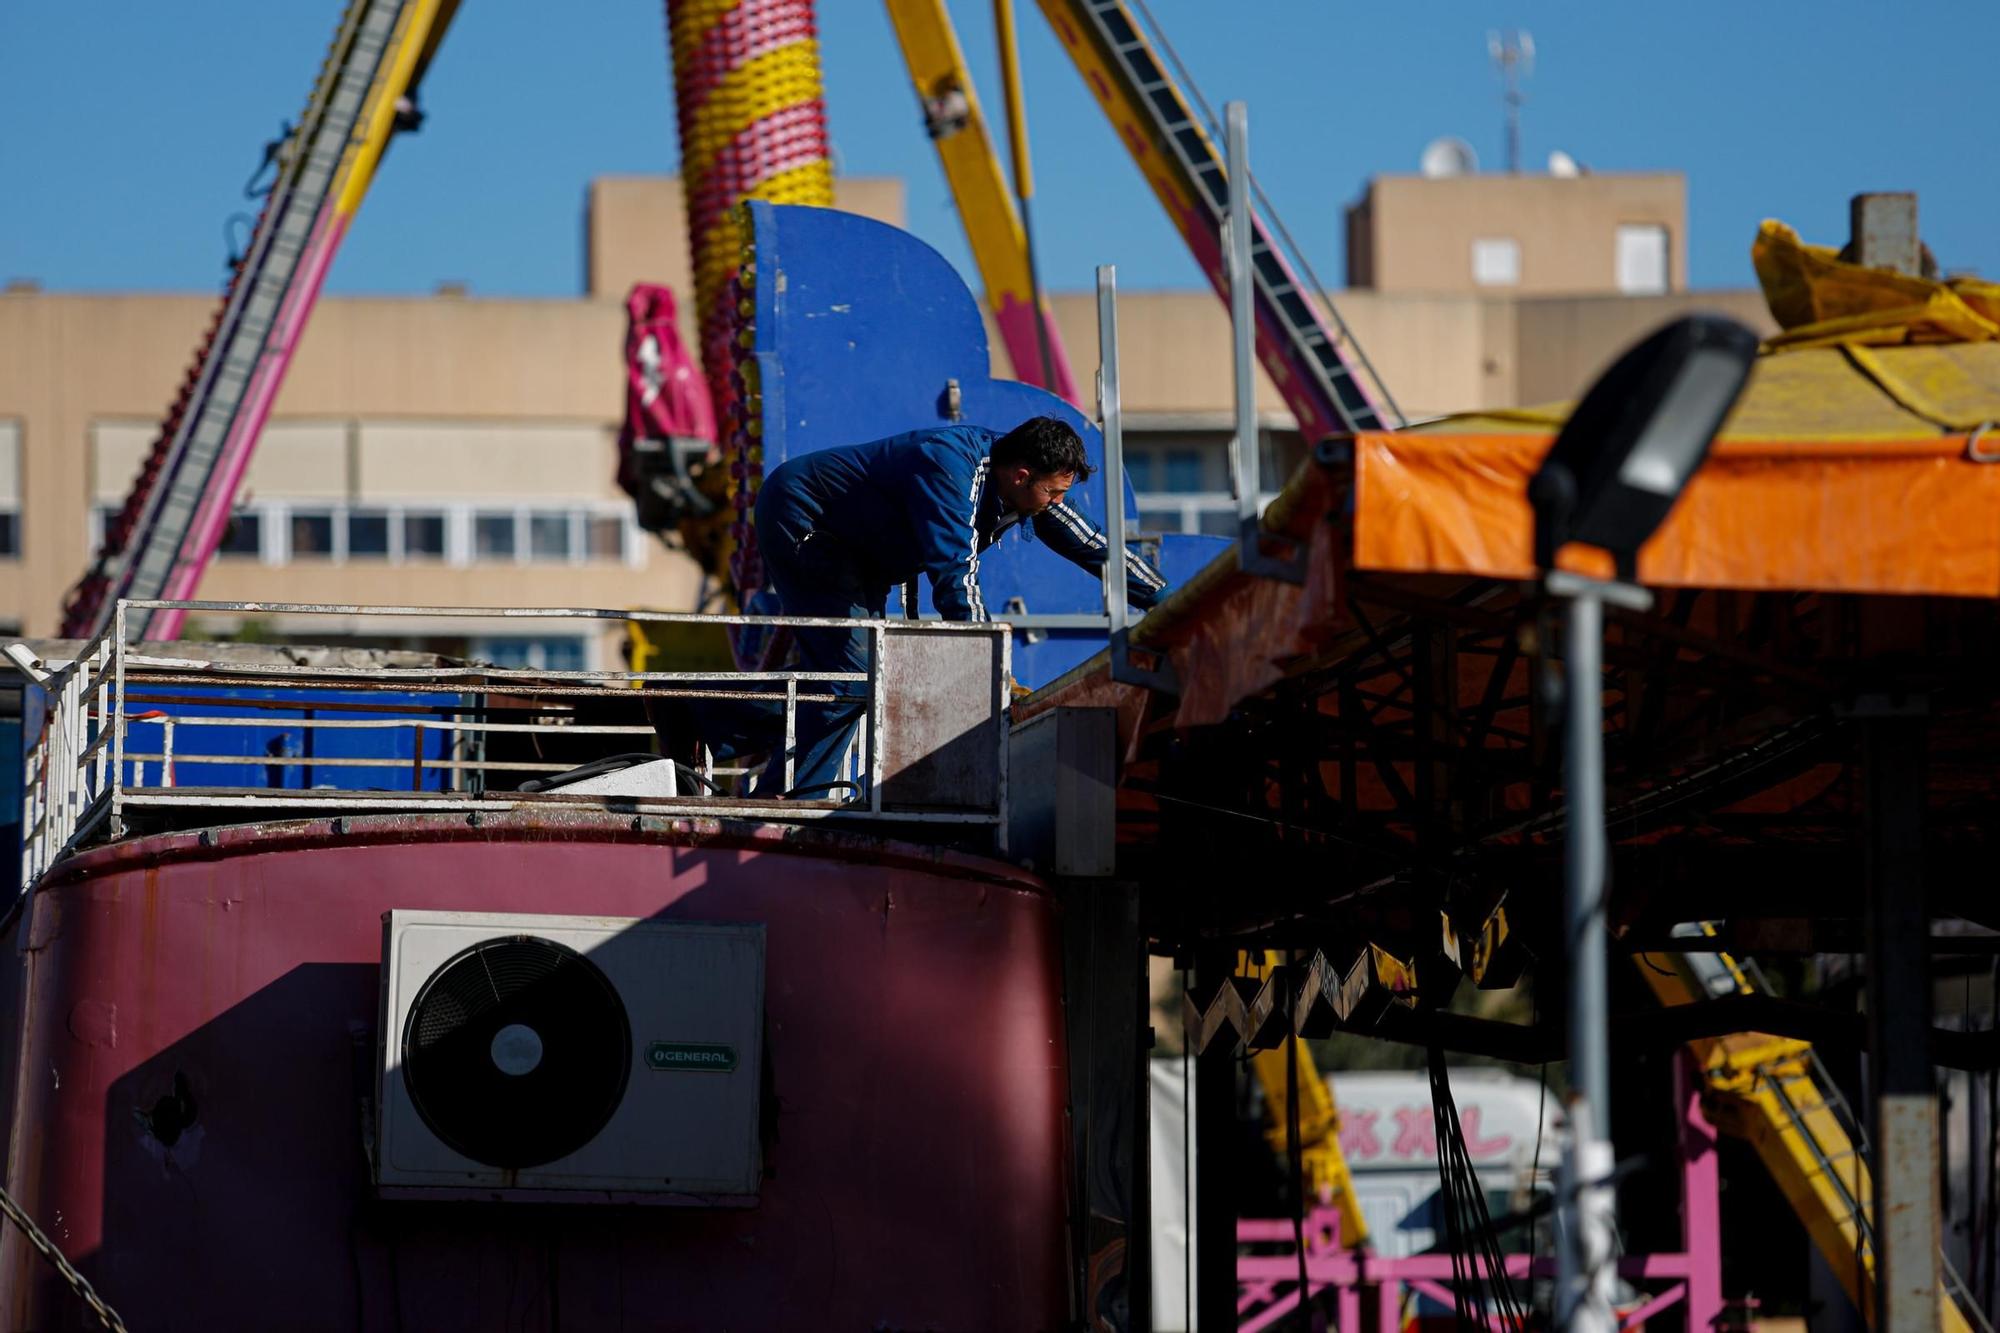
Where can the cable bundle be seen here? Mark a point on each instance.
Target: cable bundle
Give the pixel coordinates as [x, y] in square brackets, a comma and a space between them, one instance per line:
[1480, 1297]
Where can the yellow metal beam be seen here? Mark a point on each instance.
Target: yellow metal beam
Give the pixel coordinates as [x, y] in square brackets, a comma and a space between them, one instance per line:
[972, 168]
[964, 147]
[1321, 1161]
[416, 40]
[1761, 1089]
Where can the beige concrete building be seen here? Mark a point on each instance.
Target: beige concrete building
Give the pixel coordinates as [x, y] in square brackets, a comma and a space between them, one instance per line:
[1528, 235]
[459, 450]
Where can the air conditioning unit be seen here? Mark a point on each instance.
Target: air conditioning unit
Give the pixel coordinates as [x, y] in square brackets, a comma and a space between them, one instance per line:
[569, 1057]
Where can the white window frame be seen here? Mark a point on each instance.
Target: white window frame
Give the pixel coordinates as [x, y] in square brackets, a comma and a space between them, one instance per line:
[1489, 250]
[275, 534]
[1666, 257]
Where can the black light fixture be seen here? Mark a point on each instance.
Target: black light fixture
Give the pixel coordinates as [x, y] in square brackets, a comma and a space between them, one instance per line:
[1609, 481]
[1631, 445]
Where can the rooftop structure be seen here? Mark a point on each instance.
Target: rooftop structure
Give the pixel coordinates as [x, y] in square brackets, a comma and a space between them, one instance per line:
[1621, 234]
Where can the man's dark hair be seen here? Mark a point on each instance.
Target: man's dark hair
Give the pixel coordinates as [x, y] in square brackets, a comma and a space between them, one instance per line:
[1045, 446]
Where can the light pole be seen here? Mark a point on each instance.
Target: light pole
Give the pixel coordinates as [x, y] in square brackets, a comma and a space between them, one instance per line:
[1610, 479]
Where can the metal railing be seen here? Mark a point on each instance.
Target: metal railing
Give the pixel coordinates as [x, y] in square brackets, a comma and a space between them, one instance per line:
[116, 734]
[1818, 1092]
[64, 768]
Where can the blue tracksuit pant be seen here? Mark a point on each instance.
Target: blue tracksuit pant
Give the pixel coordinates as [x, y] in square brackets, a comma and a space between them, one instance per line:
[815, 574]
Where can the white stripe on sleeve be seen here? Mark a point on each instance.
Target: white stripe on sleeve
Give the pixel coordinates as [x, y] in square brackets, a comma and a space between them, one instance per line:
[1140, 570]
[972, 597]
[1078, 528]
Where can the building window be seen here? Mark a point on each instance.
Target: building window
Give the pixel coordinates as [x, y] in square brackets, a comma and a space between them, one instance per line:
[548, 536]
[1182, 477]
[311, 532]
[457, 535]
[423, 535]
[553, 653]
[367, 534]
[244, 537]
[493, 536]
[1182, 472]
[1218, 522]
[102, 519]
[1642, 259]
[10, 489]
[606, 537]
[1496, 262]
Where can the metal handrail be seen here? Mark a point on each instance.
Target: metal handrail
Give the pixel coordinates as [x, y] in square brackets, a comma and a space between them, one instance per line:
[1749, 979]
[83, 774]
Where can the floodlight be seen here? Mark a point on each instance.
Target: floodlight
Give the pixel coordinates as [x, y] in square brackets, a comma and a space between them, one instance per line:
[1640, 432]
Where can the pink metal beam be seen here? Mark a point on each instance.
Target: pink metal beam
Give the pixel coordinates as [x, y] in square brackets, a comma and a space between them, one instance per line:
[1663, 1301]
[1334, 1269]
[1270, 1314]
[1701, 1211]
[1695, 1272]
[198, 547]
[1442, 1294]
[1016, 321]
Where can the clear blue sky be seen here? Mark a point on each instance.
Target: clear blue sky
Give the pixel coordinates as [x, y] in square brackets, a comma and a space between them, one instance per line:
[131, 127]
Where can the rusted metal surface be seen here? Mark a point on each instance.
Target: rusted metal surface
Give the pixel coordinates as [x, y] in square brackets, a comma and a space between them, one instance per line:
[200, 1029]
[944, 698]
[1906, 1229]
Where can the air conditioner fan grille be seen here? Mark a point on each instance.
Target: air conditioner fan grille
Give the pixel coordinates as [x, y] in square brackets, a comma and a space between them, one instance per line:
[516, 1051]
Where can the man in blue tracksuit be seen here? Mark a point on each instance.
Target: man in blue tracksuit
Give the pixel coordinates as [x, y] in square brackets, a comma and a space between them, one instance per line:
[839, 527]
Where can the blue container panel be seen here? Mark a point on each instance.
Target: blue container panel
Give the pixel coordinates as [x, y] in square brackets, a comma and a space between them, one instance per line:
[273, 751]
[863, 331]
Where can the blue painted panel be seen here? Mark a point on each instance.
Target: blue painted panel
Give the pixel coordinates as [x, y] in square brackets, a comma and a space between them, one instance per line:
[1184, 554]
[860, 327]
[277, 735]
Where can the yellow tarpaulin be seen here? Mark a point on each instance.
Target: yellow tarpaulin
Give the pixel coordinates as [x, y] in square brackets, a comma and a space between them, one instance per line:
[1859, 459]
[1821, 300]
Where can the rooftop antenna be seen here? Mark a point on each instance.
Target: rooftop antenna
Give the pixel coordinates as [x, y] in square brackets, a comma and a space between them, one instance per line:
[1513, 53]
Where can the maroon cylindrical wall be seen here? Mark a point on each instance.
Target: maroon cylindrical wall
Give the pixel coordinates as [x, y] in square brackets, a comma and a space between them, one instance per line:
[199, 1046]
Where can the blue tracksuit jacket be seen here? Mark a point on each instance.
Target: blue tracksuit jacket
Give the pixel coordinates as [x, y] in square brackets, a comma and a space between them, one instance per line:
[919, 503]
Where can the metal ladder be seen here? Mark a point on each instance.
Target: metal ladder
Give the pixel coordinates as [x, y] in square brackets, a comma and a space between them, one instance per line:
[143, 545]
[1798, 1087]
[1331, 396]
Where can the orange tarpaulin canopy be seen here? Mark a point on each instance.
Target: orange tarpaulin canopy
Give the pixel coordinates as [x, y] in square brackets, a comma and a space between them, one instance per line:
[1842, 469]
[1861, 458]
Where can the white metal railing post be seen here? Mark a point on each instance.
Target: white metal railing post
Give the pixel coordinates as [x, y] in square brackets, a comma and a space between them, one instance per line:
[118, 725]
[1003, 710]
[1111, 419]
[877, 640]
[791, 733]
[100, 741]
[1244, 481]
[30, 797]
[71, 694]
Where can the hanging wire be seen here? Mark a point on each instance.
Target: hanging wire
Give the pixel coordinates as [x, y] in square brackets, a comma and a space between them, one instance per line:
[1483, 1299]
[1541, 1108]
[1296, 1150]
[1447, 1198]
